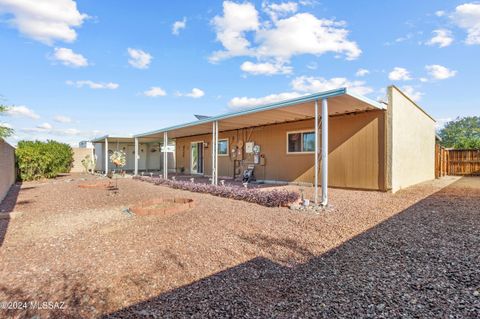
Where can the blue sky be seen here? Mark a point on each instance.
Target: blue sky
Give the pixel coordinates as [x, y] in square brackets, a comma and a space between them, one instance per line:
[73, 70]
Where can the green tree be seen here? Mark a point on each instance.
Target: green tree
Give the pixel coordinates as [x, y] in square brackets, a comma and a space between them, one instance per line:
[4, 131]
[463, 132]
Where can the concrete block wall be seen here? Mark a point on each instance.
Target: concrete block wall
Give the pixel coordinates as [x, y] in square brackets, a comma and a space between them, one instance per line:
[78, 155]
[7, 168]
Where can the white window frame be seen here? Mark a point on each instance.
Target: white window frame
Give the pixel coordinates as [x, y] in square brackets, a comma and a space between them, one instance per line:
[301, 141]
[228, 146]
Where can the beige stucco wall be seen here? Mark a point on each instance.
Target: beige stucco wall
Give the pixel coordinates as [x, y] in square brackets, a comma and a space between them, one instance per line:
[7, 168]
[411, 142]
[356, 152]
[78, 155]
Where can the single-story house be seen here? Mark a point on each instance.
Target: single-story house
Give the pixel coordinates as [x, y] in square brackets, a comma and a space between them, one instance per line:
[335, 138]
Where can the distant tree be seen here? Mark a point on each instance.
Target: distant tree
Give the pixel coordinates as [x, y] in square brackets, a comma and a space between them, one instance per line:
[463, 132]
[4, 131]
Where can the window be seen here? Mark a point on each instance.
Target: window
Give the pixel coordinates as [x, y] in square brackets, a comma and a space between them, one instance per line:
[223, 147]
[301, 142]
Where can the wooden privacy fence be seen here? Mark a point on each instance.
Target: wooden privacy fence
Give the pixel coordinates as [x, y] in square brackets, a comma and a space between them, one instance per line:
[456, 162]
[463, 162]
[441, 161]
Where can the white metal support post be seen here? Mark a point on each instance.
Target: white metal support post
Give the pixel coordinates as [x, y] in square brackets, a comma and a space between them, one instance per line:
[165, 155]
[316, 153]
[106, 156]
[136, 156]
[216, 152]
[324, 152]
[213, 153]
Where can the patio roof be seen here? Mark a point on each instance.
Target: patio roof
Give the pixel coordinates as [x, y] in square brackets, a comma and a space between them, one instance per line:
[113, 139]
[340, 101]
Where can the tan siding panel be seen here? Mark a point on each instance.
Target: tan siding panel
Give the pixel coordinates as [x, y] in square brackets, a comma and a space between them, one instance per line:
[356, 152]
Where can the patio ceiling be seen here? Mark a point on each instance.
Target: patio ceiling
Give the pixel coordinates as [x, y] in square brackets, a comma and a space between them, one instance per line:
[340, 102]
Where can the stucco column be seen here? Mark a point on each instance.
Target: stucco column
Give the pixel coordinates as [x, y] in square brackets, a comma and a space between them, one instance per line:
[136, 156]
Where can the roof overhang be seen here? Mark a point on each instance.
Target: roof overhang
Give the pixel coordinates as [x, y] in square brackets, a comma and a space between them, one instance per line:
[340, 101]
[113, 139]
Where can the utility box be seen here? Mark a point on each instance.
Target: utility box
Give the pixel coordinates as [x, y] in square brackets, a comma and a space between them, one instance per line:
[249, 147]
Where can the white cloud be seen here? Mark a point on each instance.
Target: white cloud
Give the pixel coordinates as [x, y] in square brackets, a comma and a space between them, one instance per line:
[139, 59]
[196, 93]
[443, 38]
[439, 72]
[399, 74]
[303, 33]
[281, 38]
[318, 84]
[94, 85]
[51, 131]
[301, 86]
[362, 72]
[21, 111]
[231, 27]
[62, 119]
[178, 25]
[441, 122]
[265, 68]
[69, 58]
[276, 10]
[70, 131]
[440, 13]
[44, 20]
[45, 126]
[248, 102]
[155, 91]
[5, 124]
[412, 93]
[467, 16]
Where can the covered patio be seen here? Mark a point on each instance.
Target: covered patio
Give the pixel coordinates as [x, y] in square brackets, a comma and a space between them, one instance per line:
[319, 107]
[143, 157]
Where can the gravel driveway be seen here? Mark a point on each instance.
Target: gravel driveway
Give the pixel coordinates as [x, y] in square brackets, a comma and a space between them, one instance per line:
[410, 254]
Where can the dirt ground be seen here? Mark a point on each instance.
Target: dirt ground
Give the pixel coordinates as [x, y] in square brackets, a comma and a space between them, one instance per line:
[409, 254]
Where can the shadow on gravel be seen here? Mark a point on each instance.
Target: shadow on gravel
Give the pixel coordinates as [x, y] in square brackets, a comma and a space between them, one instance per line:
[423, 262]
[6, 207]
[69, 296]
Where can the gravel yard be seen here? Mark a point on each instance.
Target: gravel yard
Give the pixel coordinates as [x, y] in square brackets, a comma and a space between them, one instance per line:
[410, 254]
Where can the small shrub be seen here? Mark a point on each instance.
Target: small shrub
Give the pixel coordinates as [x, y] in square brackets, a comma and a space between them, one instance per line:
[269, 198]
[43, 159]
